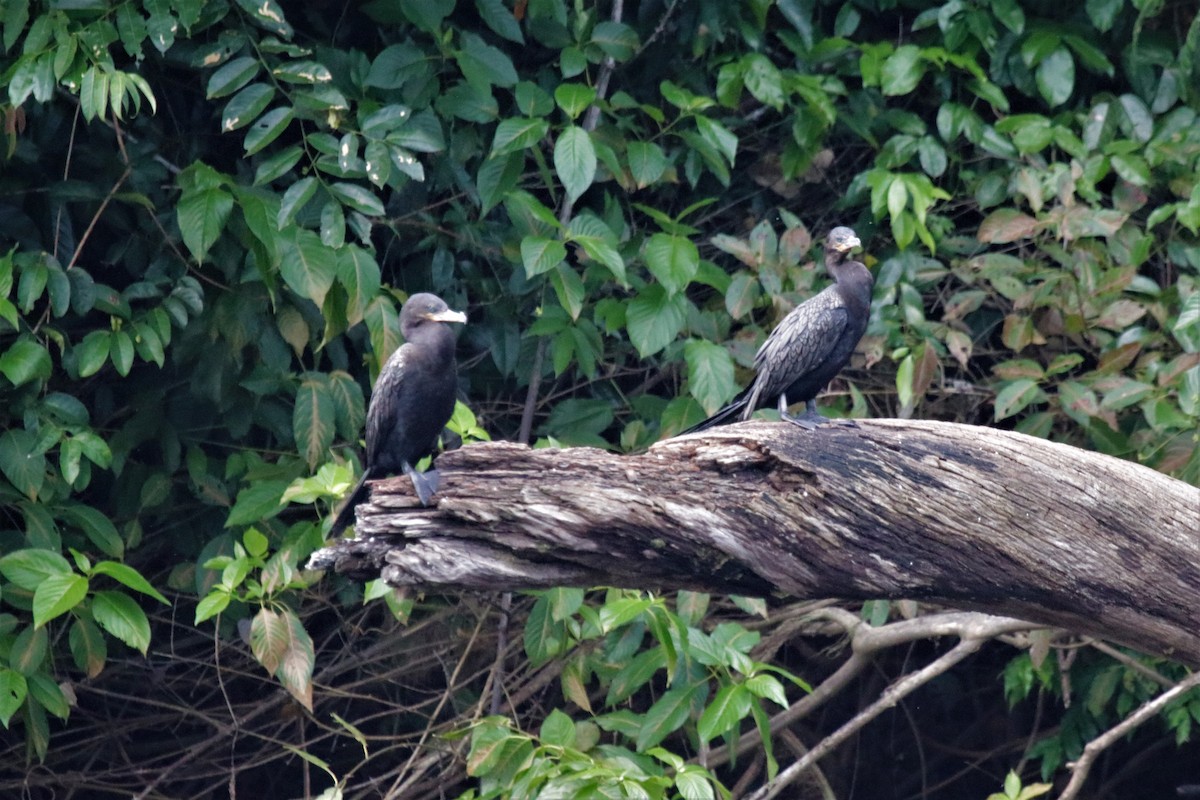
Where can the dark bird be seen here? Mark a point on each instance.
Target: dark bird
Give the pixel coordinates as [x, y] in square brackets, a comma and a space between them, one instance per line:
[412, 401]
[811, 345]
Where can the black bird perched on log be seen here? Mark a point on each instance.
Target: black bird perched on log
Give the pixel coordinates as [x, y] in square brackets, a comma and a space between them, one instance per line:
[412, 401]
[811, 345]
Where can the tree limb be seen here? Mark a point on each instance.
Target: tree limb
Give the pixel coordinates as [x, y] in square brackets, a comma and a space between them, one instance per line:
[968, 517]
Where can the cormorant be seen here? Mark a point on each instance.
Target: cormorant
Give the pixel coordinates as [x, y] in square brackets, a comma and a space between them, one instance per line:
[811, 345]
[412, 401]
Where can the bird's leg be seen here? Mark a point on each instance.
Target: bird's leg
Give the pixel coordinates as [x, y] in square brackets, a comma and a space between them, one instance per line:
[810, 420]
[425, 484]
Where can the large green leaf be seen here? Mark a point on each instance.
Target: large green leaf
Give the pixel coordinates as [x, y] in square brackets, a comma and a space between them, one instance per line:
[308, 266]
[118, 614]
[517, 134]
[358, 272]
[22, 462]
[902, 70]
[575, 160]
[88, 648]
[57, 595]
[27, 568]
[202, 215]
[1056, 76]
[313, 421]
[669, 712]
[13, 689]
[25, 360]
[710, 373]
[130, 577]
[654, 319]
[672, 259]
[540, 254]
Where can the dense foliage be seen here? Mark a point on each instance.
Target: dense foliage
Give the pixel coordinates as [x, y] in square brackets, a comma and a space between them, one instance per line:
[214, 209]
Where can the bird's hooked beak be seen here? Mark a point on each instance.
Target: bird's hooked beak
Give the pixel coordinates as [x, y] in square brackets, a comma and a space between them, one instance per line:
[447, 316]
[848, 244]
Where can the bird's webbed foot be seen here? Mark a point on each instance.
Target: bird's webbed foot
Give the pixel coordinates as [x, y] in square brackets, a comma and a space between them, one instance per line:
[425, 484]
[810, 420]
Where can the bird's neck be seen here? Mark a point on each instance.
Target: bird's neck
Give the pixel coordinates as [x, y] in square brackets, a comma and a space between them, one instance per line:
[854, 282]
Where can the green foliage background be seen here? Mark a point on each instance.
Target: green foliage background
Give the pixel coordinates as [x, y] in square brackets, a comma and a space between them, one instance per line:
[211, 212]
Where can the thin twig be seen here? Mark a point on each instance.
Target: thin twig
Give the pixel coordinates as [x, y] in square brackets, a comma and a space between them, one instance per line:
[890, 697]
[1093, 749]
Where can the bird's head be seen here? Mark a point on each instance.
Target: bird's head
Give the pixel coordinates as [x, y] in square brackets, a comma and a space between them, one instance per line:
[842, 240]
[426, 307]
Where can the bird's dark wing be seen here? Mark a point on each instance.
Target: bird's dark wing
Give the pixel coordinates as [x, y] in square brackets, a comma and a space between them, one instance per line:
[384, 397]
[799, 344]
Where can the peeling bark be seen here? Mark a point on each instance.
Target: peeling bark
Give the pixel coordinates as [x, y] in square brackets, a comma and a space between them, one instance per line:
[970, 517]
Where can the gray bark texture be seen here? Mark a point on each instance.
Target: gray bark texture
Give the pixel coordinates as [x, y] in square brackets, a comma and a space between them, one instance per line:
[963, 516]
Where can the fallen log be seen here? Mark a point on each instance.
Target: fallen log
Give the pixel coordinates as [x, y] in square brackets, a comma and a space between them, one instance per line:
[963, 516]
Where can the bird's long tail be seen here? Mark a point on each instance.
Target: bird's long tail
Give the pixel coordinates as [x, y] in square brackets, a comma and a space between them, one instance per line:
[728, 414]
[345, 515]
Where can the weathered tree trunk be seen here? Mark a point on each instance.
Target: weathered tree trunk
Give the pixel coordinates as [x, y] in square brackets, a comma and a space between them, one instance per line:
[965, 516]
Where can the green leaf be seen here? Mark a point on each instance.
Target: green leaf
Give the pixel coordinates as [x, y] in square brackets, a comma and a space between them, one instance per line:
[902, 70]
[92, 352]
[21, 462]
[294, 199]
[13, 690]
[635, 675]
[763, 80]
[266, 129]
[517, 134]
[1016, 396]
[298, 661]
[231, 76]
[540, 254]
[615, 39]
[88, 648]
[574, 98]
[575, 161]
[668, 714]
[710, 373]
[313, 422]
[647, 163]
[1055, 76]
[358, 272]
[213, 603]
[269, 638]
[544, 637]
[483, 65]
[28, 651]
[724, 714]
[358, 198]
[672, 259]
[558, 730]
[767, 687]
[120, 350]
[502, 22]
[654, 319]
[202, 215]
[497, 178]
[117, 613]
[57, 595]
[130, 577]
[569, 288]
[395, 65]
[308, 266]
[97, 527]
[245, 106]
[1103, 13]
[29, 567]
[25, 360]
[46, 691]
[262, 499]
[268, 15]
